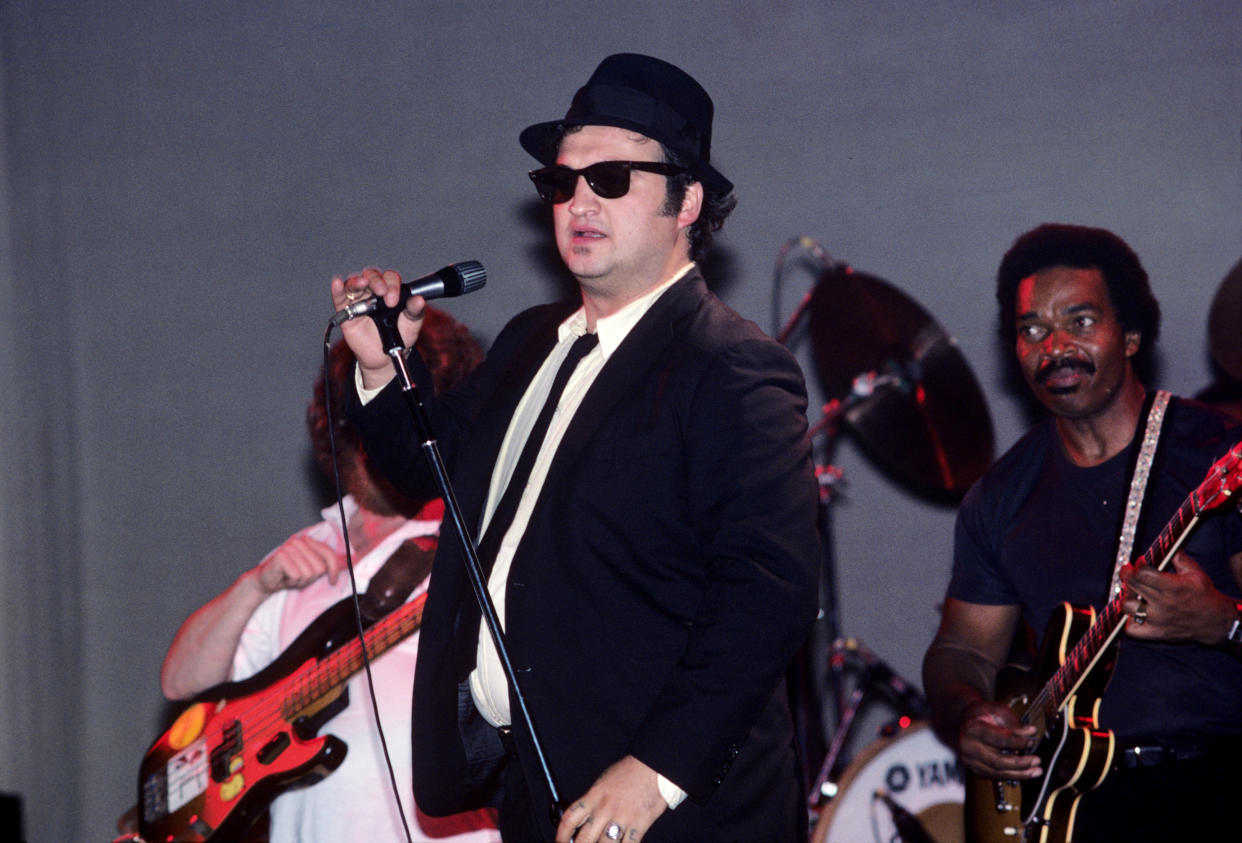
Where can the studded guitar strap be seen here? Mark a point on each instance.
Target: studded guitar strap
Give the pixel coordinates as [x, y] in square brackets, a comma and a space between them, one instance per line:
[1138, 486]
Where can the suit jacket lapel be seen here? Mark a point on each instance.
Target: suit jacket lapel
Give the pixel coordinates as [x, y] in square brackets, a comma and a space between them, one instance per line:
[627, 367]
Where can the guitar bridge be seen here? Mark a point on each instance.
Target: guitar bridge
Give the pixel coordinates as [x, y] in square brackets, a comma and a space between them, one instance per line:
[1003, 805]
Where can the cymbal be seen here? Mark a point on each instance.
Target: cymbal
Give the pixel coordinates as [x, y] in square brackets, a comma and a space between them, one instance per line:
[1225, 324]
[904, 386]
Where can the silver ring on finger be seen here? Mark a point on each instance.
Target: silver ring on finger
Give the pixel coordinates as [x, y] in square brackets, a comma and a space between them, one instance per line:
[613, 831]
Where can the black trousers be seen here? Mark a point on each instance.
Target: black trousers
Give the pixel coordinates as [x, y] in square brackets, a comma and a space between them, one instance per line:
[521, 821]
[1198, 799]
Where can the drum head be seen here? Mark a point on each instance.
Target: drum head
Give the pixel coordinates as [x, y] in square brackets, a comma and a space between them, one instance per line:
[918, 773]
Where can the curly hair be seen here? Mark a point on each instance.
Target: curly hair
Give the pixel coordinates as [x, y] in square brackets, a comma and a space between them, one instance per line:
[1080, 247]
[445, 345]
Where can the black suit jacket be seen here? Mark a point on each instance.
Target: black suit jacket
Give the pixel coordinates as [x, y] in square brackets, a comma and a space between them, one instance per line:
[667, 576]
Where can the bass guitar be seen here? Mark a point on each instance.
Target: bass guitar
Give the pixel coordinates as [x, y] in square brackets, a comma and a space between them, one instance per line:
[1078, 653]
[240, 744]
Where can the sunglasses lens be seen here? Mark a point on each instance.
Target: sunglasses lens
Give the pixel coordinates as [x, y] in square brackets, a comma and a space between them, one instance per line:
[609, 179]
[555, 184]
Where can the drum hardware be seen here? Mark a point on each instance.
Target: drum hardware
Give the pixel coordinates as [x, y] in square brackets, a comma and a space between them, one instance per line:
[849, 657]
[907, 786]
[908, 826]
[897, 382]
[892, 377]
[909, 397]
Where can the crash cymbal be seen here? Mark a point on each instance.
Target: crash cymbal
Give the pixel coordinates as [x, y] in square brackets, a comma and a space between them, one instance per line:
[905, 389]
[1225, 324]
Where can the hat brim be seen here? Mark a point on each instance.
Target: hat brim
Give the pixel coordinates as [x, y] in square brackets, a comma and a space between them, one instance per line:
[538, 141]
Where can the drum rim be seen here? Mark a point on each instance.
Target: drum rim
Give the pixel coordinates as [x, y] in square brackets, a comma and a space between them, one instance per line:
[856, 767]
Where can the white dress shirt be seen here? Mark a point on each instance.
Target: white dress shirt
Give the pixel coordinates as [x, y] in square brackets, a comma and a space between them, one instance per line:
[488, 685]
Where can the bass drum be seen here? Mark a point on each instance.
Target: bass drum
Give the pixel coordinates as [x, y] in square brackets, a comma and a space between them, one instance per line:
[910, 777]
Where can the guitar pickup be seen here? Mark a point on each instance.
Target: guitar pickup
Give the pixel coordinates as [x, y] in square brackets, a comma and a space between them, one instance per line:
[222, 755]
[271, 751]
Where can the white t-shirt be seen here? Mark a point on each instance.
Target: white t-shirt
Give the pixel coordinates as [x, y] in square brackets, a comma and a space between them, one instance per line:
[355, 802]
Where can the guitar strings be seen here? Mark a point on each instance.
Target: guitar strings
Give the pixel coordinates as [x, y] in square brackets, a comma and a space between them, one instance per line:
[1070, 674]
[309, 682]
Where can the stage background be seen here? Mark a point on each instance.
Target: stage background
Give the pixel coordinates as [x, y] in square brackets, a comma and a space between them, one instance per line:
[181, 179]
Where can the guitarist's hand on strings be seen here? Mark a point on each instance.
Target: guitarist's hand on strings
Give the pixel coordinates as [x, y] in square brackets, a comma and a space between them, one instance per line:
[994, 743]
[1178, 604]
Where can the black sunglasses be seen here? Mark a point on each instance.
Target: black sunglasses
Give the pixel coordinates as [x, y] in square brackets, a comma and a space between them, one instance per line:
[609, 179]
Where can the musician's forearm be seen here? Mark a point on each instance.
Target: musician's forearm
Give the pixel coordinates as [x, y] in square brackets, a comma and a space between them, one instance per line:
[954, 678]
[201, 654]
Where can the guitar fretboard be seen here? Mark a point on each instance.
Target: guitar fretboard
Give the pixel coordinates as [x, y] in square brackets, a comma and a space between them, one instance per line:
[1065, 681]
[323, 677]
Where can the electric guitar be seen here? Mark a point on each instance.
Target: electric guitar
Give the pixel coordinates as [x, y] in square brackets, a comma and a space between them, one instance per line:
[1075, 753]
[240, 744]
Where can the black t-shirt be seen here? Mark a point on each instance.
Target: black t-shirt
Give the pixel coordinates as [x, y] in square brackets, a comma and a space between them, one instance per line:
[1037, 530]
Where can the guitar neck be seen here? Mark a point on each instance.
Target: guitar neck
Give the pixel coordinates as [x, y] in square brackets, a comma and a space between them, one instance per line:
[1082, 658]
[337, 667]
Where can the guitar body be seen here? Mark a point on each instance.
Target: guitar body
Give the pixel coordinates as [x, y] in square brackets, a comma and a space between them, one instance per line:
[238, 745]
[1074, 752]
[1077, 657]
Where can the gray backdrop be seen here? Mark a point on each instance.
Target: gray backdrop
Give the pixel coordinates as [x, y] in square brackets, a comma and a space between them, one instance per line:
[182, 179]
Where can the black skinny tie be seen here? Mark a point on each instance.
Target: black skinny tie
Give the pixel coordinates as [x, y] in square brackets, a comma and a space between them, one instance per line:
[505, 510]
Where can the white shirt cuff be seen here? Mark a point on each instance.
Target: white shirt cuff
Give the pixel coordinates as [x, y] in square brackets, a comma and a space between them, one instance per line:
[672, 794]
[364, 394]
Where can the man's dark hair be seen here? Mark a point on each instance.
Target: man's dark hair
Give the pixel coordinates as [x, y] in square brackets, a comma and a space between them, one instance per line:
[1080, 247]
[446, 346]
[716, 208]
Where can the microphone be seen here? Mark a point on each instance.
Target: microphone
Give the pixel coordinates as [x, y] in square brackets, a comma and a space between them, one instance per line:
[909, 829]
[909, 698]
[456, 279]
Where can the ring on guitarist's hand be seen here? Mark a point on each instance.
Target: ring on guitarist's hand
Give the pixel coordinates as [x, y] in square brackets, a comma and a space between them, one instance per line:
[1140, 614]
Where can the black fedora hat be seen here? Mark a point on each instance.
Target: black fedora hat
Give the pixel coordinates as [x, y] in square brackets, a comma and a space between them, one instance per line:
[648, 96]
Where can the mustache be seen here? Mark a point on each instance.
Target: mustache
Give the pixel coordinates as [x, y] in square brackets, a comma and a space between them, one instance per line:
[1067, 364]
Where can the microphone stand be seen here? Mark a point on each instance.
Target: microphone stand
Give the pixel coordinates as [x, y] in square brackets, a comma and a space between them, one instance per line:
[385, 319]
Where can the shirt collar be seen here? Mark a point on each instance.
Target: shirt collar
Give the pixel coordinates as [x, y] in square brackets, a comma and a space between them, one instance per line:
[332, 513]
[614, 328]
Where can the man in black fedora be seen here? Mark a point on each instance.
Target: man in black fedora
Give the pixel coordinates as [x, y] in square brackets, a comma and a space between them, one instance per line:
[653, 553]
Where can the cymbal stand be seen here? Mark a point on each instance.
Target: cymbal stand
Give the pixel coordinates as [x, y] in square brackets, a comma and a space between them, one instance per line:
[850, 655]
[845, 655]
[805, 693]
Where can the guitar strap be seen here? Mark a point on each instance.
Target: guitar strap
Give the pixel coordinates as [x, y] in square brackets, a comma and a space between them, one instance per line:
[1138, 486]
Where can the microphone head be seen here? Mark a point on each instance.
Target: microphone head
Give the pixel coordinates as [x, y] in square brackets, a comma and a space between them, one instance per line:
[464, 277]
